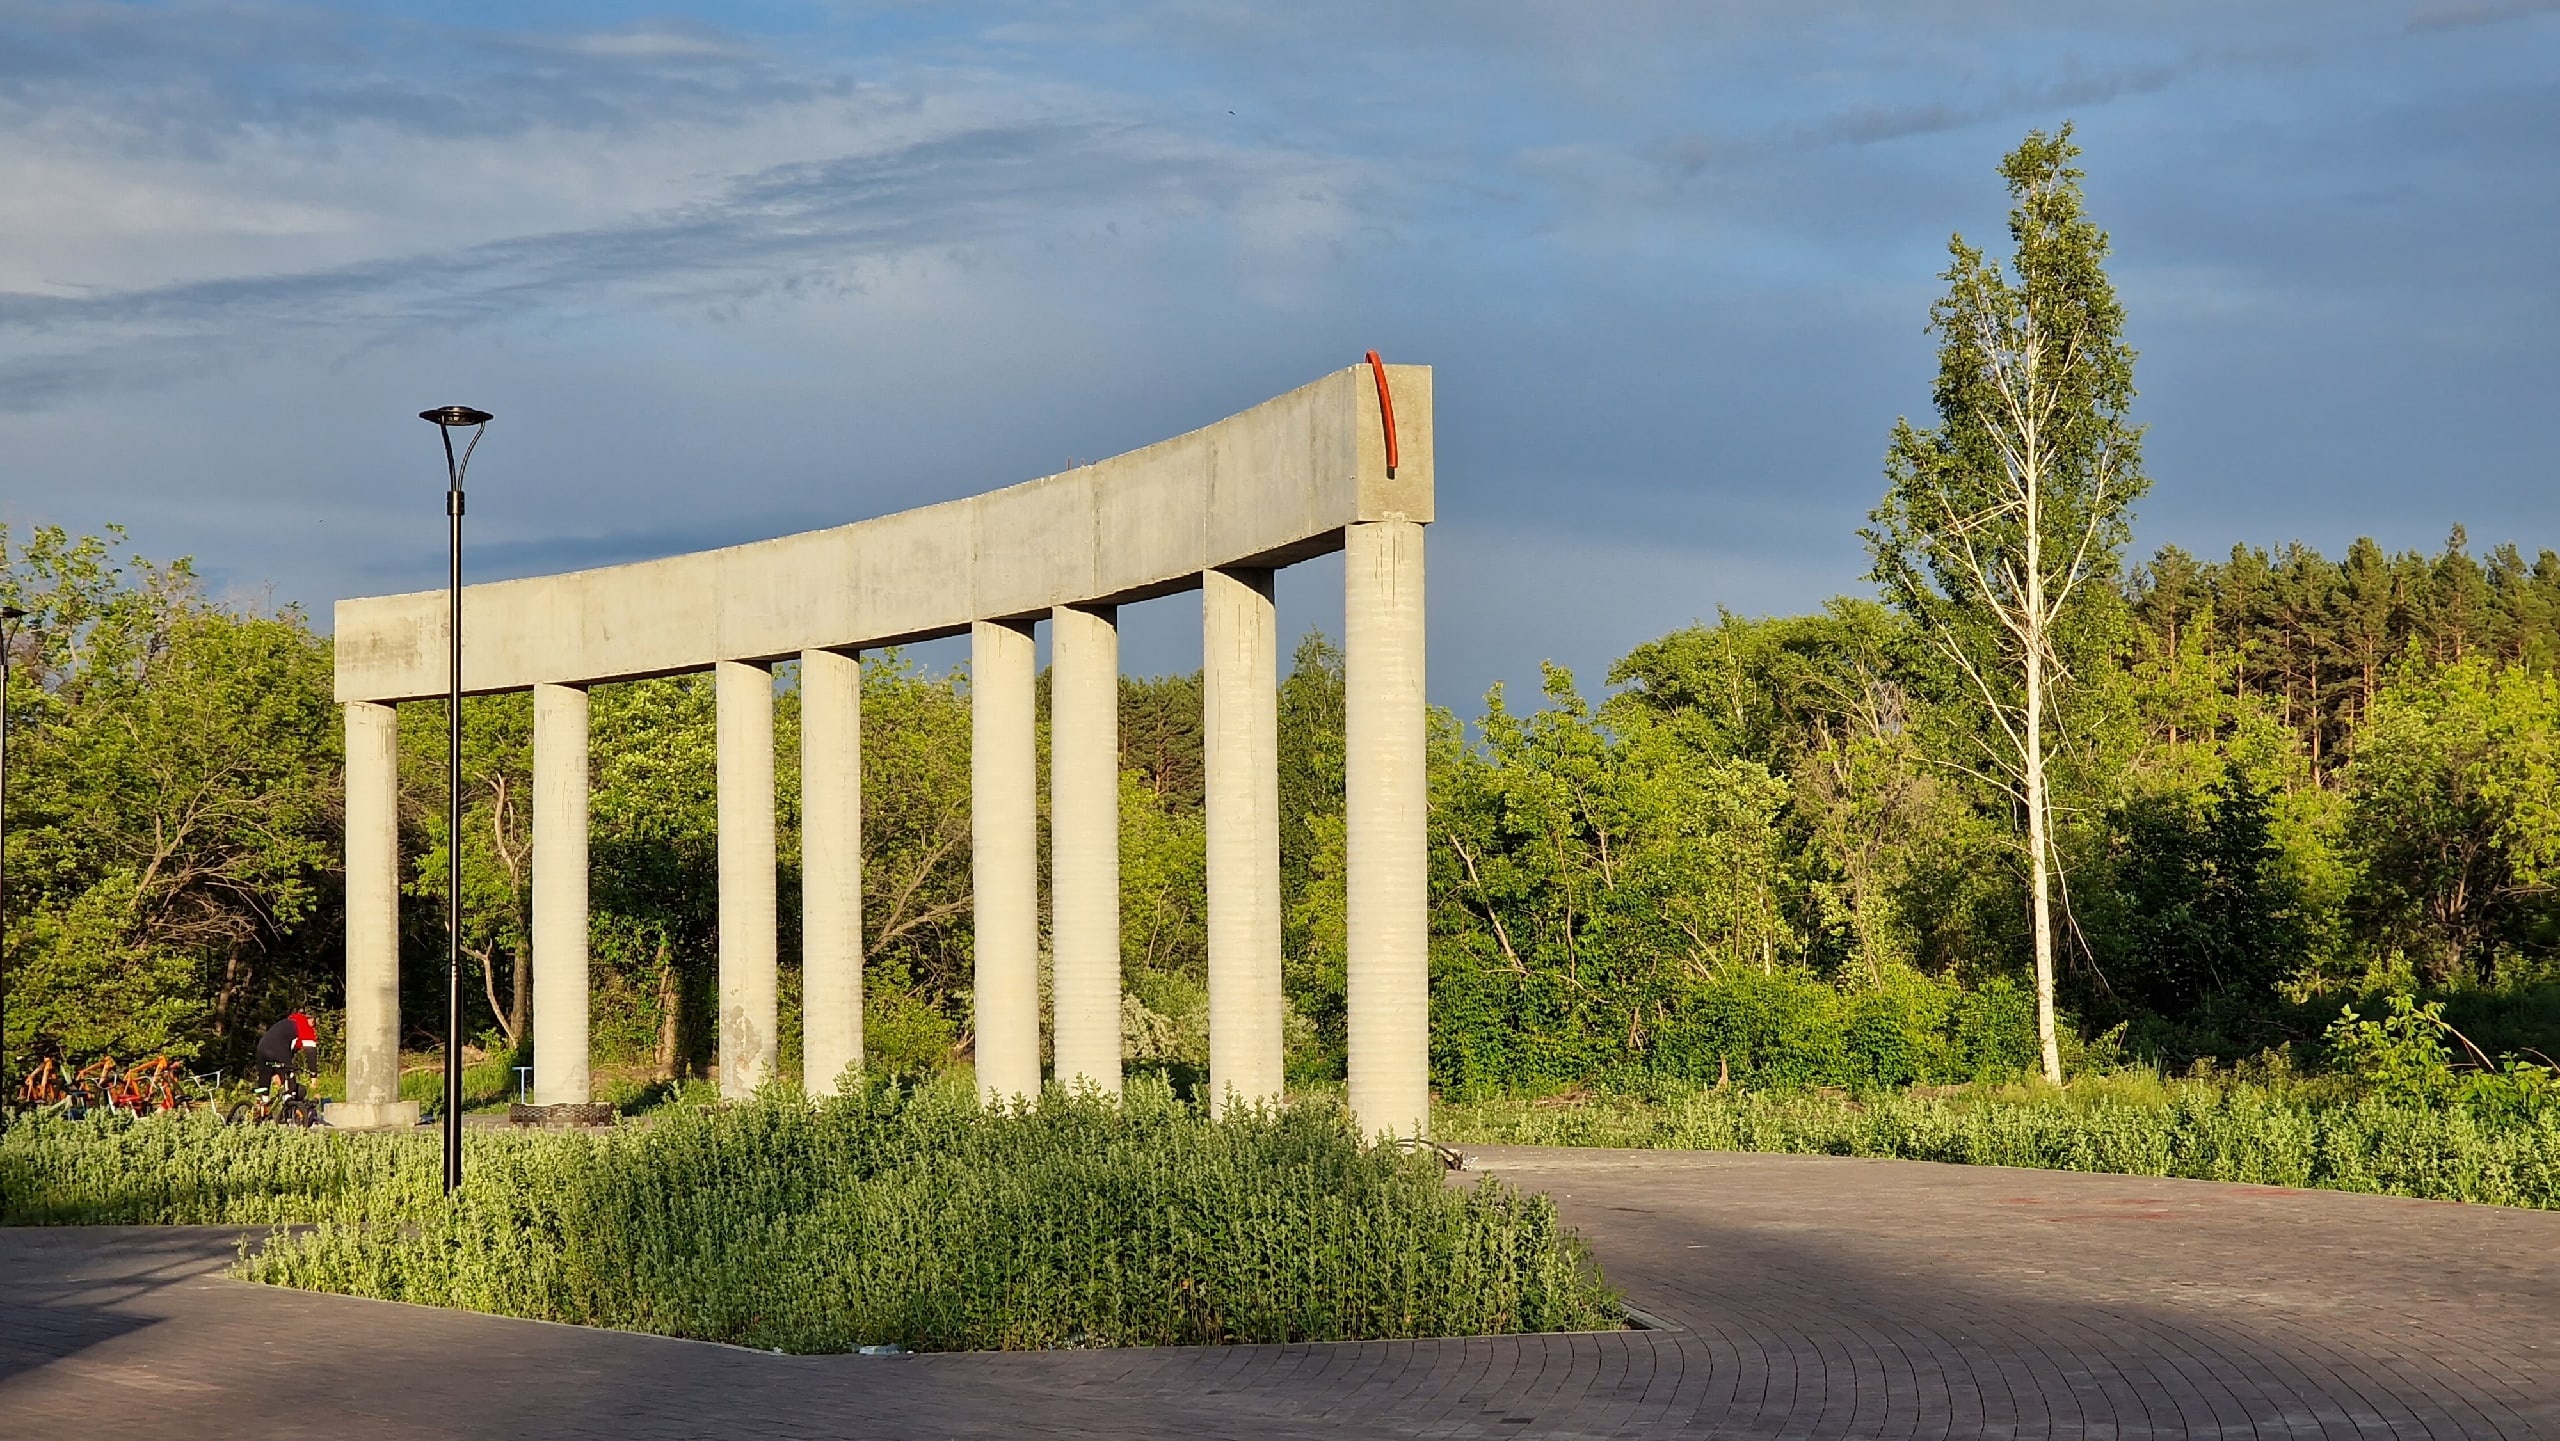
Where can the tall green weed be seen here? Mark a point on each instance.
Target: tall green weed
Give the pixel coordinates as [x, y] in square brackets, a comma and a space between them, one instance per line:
[893, 1215]
[2199, 1129]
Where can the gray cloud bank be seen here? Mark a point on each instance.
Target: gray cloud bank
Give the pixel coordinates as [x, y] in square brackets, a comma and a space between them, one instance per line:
[1671, 261]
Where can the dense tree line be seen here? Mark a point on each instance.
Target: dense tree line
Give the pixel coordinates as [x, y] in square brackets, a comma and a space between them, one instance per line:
[1751, 858]
[2322, 636]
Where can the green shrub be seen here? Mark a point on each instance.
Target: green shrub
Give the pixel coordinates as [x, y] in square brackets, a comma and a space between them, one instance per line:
[892, 1215]
[2204, 1130]
[191, 1170]
[1494, 1033]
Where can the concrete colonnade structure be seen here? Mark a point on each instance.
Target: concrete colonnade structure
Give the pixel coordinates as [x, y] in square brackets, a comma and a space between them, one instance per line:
[1342, 464]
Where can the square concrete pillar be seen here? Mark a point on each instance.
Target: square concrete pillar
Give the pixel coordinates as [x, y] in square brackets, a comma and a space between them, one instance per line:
[830, 868]
[1387, 813]
[1241, 719]
[749, 939]
[373, 923]
[1004, 858]
[1084, 845]
[560, 1055]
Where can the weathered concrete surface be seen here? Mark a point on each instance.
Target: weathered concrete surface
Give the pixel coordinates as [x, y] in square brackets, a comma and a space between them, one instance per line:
[560, 1060]
[1004, 857]
[1818, 1298]
[750, 938]
[373, 917]
[1386, 821]
[1240, 726]
[1270, 485]
[1084, 846]
[830, 867]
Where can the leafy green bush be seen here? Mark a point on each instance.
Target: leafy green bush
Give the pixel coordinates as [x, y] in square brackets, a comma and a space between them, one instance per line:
[2405, 1056]
[2506, 1156]
[192, 1170]
[891, 1215]
[1782, 1027]
[2400, 1057]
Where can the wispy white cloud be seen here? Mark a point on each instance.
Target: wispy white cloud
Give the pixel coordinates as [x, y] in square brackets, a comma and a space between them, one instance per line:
[2466, 14]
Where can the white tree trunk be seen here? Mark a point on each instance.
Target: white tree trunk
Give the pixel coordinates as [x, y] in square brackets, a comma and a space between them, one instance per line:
[2038, 635]
[2048, 1042]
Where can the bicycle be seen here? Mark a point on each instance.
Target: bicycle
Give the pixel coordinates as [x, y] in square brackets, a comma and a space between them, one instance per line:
[47, 1085]
[289, 1106]
[150, 1085]
[91, 1084]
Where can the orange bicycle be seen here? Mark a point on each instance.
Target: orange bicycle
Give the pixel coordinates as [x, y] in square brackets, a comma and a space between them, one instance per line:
[46, 1085]
[150, 1085]
[90, 1084]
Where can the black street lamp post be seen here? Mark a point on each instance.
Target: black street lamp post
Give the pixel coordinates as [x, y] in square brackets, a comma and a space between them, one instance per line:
[10, 615]
[447, 419]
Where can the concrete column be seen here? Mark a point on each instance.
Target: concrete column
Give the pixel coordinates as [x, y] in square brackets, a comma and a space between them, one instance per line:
[1240, 701]
[1084, 844]
[560, 896]
[749, 1016]
[373, 922]
[1387, 815]
[1004, 858]
[830, 867]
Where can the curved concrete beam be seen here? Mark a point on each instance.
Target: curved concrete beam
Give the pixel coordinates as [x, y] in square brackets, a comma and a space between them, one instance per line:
[1270, 486]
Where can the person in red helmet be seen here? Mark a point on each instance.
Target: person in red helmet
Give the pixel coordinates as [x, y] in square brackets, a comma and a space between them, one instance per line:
[280, 1052]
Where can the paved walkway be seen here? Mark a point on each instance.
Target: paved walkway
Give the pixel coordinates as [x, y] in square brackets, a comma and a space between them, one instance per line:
[1814, 1298]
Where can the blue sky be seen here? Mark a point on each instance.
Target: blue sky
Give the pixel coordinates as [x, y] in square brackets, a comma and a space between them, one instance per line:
[726, 272]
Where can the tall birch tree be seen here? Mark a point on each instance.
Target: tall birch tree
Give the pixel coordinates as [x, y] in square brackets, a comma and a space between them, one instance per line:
[2002, 526]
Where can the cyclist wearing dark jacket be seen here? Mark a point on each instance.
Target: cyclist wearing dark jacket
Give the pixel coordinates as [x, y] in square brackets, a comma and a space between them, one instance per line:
[281, 1048]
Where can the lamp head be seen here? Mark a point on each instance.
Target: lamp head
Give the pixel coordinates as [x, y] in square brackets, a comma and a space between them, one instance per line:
[454, 415]
[11, 612]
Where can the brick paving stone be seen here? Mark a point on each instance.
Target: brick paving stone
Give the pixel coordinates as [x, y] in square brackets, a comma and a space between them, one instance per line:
[1810, 1297]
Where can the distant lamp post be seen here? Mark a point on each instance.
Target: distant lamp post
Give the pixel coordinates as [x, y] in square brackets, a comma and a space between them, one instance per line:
[447, 419]
[10, 615]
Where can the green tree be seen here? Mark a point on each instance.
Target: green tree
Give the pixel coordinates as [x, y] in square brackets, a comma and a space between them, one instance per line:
[1585, 875]
[2455, 814]
[2202, 908]
[497, 842]
[2001, 527]
[173, 814]
[653, 846]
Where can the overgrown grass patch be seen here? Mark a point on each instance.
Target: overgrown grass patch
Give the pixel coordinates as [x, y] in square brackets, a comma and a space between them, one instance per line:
[893, 1216]
[2142, 1126]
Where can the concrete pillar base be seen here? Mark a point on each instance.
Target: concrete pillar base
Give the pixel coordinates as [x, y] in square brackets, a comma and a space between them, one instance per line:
[369, 1116]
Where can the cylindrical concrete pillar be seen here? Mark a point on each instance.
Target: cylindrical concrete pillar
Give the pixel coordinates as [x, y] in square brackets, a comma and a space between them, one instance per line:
[830, 868]
[560, 896]
[1387, 815]
[1084, 845]
[373, 921]
[1004, 858]
[1241, 722]
[749, 942]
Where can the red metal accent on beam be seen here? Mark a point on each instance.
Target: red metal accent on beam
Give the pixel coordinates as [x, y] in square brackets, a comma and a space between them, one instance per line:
[1386, 410]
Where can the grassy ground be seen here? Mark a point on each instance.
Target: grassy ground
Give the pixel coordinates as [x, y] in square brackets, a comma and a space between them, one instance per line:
[896, 1215]
[2136, 1125]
